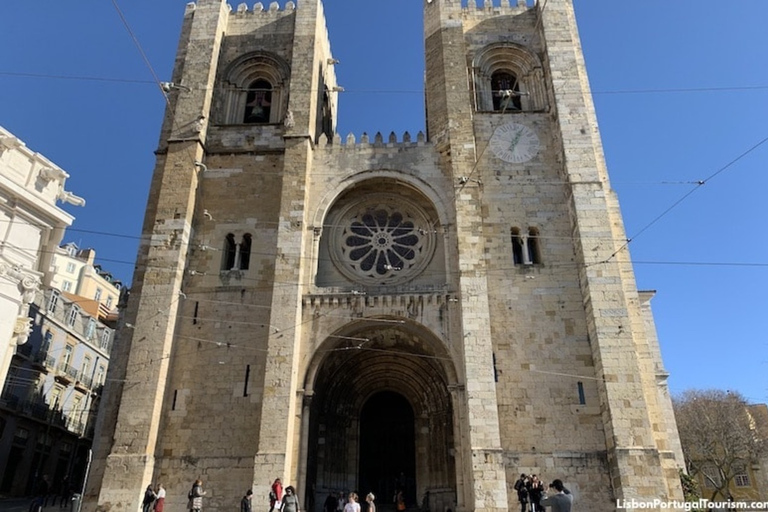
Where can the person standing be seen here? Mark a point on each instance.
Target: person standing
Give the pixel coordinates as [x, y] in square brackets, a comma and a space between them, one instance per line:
[290, 501]
[535, 491]
[195, 496]
[521, 486]
[245, 503]
[352, 505]
[371, 505]
[330, 503]
[560, 502]
[276, 494]
[149, 499]
[160, 501]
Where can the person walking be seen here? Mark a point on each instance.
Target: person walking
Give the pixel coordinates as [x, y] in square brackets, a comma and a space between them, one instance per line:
[369, 499]
[195, 496]
[290, 501]
[160, 501]
[246, 504]
[149, 499]
[276, 495]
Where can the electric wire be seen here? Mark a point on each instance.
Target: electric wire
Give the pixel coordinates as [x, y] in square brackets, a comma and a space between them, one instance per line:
[662, 90]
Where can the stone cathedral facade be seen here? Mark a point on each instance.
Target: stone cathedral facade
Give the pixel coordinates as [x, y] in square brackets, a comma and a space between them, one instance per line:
[437, 312]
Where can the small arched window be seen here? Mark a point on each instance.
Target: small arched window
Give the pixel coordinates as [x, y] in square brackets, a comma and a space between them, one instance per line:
[517, 246]
[245, 252]
[505, 89]
[230, 252]
[258, 103]
[237, 256]
[534, 251]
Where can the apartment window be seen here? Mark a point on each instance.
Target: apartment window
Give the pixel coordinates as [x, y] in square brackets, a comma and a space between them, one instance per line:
[74, 311]
[70, 268]
[53, 301]
[109, 302]
[86, 370]
[98, 293]
[100, 375]
[90, 330]
[67, 356]
[53, 398]
[105, 337]
[66, 286]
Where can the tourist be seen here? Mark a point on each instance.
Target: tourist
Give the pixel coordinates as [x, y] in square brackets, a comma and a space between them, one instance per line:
[290, 501]
[276, 494]
[195, 496]
[371, 505]
[149, 499]
[160, 501]
[352, 504]
[535, 491]
[560, 502]
[245, 504]
[521, 486]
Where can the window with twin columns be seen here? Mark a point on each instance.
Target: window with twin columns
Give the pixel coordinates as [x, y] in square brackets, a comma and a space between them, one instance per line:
[237, 253]
[526, 249]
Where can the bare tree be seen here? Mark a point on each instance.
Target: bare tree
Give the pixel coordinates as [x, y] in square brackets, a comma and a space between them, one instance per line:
[719, 434]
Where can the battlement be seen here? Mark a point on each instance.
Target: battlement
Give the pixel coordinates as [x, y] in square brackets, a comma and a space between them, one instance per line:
[258, 8]
[496, 6]
[350, 142]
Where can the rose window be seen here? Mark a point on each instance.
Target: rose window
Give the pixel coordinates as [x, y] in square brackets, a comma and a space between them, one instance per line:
[383, 243]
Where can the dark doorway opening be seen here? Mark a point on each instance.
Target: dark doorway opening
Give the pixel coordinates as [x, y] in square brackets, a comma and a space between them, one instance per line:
[387, 448]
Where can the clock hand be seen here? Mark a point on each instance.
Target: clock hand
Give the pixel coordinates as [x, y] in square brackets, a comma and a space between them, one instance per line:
[513, 143]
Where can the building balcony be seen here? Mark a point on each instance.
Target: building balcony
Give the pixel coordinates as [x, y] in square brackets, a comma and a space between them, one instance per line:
[66, 374]
[84, 382]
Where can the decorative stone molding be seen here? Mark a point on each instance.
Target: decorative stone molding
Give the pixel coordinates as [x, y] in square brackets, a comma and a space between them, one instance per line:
[22, 329]
[10, 142]
[49, 174]
[68, 197]
[28, 285]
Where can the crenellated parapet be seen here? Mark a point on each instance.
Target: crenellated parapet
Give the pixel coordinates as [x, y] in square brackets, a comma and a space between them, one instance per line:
[496, 6]
[271, 9]
[351, 142]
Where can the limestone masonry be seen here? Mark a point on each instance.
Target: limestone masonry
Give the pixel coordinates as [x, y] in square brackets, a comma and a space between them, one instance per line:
[436, 312]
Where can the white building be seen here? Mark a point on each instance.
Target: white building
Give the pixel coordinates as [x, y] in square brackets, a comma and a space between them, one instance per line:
[31, 228]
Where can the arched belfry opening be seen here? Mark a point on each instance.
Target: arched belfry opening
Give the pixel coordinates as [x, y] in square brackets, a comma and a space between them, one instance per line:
[381, 416]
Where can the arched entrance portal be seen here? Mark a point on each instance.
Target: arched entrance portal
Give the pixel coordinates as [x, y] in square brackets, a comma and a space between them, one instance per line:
[387, 446]
[381, 417]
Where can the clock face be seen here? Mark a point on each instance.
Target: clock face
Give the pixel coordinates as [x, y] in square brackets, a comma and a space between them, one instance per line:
[514, 143]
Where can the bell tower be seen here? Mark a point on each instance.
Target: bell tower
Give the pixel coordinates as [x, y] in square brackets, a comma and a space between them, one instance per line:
[510, 113]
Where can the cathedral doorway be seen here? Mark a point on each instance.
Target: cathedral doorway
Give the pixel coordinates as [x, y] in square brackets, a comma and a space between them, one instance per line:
[387, 446]
[382, 418]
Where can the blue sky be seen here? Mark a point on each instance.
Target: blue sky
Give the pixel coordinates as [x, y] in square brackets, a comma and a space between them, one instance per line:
[681, 90]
